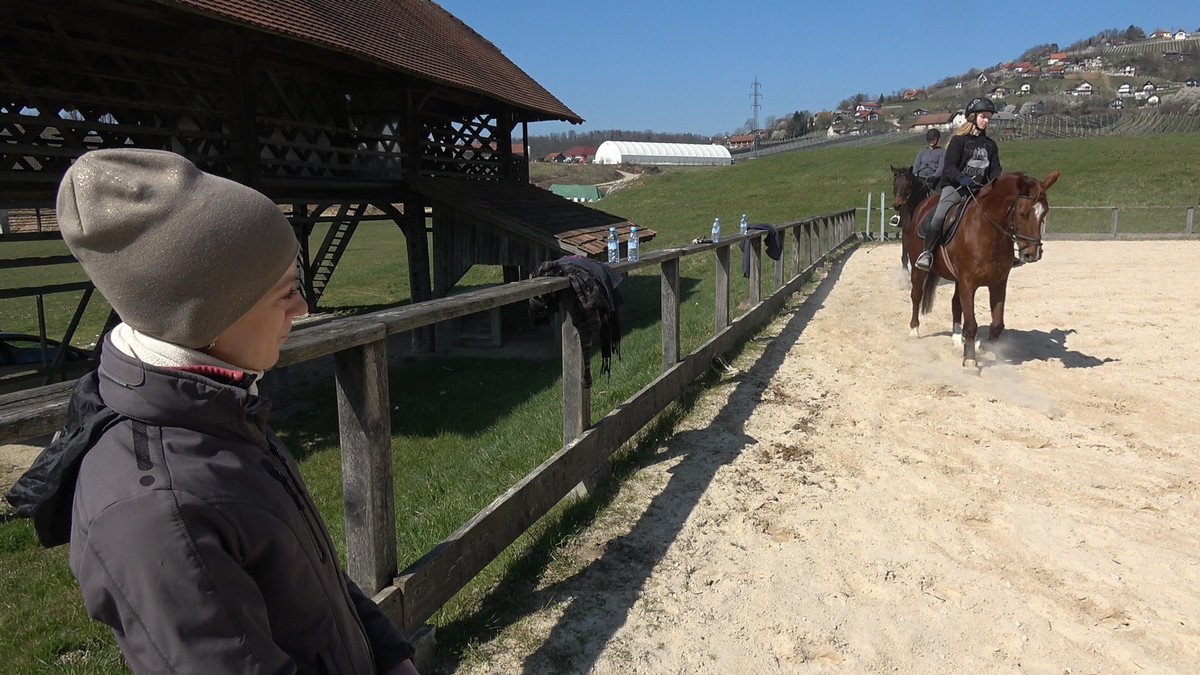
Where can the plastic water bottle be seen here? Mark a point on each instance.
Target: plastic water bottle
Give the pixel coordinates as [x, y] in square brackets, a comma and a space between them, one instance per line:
[614, 248]
[633, 243]
[716, 233]
[744, 225]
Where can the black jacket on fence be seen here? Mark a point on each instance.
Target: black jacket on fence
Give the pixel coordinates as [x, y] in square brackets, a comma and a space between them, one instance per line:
[774, 241]
[594, 309]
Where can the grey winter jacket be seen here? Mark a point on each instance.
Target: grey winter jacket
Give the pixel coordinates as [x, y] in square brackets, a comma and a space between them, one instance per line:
[195, 539]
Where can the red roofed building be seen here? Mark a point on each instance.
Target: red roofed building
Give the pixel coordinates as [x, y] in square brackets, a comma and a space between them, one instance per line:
[581, 154]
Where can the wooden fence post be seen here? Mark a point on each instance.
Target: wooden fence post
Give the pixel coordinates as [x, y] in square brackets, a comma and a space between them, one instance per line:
[808, 244]
[755, 271]
[796, 250]
[1191, 216]
[669, 276]
[778, 267]
[364, 421]
[577, 399]
[1114, 221]
[722, 288]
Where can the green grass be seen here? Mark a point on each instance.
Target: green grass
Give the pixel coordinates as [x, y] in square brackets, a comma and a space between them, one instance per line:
[467, 429]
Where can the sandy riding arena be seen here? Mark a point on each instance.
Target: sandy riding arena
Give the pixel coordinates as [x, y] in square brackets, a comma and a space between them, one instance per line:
[851, 500]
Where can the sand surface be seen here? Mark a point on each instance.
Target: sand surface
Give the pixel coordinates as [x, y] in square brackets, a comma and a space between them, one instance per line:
[852, 500]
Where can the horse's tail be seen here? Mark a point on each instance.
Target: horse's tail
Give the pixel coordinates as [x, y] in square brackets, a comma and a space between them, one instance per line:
[928, 290]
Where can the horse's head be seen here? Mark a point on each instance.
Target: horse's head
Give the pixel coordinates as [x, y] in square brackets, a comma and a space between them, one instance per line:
[1029, 215]
[902, 185]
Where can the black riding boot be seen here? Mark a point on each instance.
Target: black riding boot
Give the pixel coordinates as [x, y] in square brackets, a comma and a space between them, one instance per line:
[925, 260]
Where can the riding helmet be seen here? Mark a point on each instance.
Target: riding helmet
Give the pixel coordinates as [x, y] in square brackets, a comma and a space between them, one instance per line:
[981, 104]
[932, 134]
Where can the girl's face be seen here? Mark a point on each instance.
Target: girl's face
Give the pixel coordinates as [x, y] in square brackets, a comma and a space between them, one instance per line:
[982, 119]
[253, 341]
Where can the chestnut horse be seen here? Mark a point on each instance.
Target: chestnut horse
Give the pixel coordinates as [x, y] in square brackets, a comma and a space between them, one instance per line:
[907, 193]
[1011, 210]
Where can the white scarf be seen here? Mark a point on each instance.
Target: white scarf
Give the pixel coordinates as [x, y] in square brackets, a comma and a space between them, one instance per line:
[163, 354]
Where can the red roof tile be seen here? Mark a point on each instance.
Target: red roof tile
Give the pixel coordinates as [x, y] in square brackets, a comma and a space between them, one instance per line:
[414, 36]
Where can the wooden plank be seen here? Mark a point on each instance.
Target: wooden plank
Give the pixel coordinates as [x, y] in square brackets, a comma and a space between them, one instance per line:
[30, 291]
[14, 263]
[577, 400]
[721, 315]
[34, 412]
[670, 304]
[755, 271]
[364, 421]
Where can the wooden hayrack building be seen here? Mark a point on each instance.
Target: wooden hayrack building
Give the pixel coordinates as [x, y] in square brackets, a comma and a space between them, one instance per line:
[342, 111]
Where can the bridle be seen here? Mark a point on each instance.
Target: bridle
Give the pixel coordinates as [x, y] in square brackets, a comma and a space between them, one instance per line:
[1011, 215]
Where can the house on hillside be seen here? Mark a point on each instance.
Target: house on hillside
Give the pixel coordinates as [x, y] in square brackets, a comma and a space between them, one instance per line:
[1056, 58]
[1084, 88]
[999, 91]
[1024, 89]
[1181, 34]
[1160, 34]
[1056, 72]
[869, 106]
[1117, 103]
[1153, 100]
[915, 95]
[580, 154]
[1149, 87]
[1021, 67]
[742, 141]
[920, 111]
[1127, 70]
[1126, 89]
[982, 79]
[940, 121]
[1191, 82]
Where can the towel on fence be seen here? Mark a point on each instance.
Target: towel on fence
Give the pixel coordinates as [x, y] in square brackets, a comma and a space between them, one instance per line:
[774, 245]
[593, 311]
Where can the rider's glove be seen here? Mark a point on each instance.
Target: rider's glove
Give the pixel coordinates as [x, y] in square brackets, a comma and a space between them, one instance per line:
[965, 180]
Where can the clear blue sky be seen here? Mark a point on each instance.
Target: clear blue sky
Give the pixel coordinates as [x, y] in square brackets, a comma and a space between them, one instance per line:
[687, 66]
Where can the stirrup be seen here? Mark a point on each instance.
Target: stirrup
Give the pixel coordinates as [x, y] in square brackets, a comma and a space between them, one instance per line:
[924, 261]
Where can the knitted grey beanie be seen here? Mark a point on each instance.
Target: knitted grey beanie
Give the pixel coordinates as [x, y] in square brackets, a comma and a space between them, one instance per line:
[179, 254]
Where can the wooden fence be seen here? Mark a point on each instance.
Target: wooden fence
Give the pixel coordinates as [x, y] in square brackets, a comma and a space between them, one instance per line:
[359, 347]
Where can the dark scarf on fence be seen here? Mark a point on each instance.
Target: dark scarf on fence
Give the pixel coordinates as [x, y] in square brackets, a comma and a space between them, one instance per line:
[593, 311]
[774, 239]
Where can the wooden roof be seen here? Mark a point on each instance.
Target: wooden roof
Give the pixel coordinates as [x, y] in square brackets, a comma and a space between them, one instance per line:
[416, 37]
[531, 212]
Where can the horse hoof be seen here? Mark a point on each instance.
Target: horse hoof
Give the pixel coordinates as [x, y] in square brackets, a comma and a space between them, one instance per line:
[970, 363]
[957, 339]
[913, 332]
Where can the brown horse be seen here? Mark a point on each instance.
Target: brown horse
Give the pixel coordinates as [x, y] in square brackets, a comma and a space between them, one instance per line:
[1011, 210]
[907, 193]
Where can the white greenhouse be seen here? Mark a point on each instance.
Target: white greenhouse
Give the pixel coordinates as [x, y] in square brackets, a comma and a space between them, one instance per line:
[678, 154]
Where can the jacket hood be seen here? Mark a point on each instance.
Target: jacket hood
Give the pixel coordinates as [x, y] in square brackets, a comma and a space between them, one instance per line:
[124, 388]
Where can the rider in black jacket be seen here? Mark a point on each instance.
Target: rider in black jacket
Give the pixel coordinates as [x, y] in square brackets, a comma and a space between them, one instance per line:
[972, 161]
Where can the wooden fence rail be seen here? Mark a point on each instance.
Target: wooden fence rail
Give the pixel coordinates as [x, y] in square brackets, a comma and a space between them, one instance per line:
[359, 347]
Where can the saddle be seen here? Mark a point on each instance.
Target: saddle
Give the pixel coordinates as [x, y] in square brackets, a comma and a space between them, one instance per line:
[949, 226]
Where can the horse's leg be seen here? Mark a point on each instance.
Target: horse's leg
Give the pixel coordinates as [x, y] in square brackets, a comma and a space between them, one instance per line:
[918, 284]
[996, 295]
[956, 313]
[970, 329]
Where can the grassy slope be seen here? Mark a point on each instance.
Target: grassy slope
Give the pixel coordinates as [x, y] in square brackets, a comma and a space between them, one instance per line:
[451, 459]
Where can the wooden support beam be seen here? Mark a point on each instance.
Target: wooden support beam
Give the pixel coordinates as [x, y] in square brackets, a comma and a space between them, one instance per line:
[670, 302]
[364, 419]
